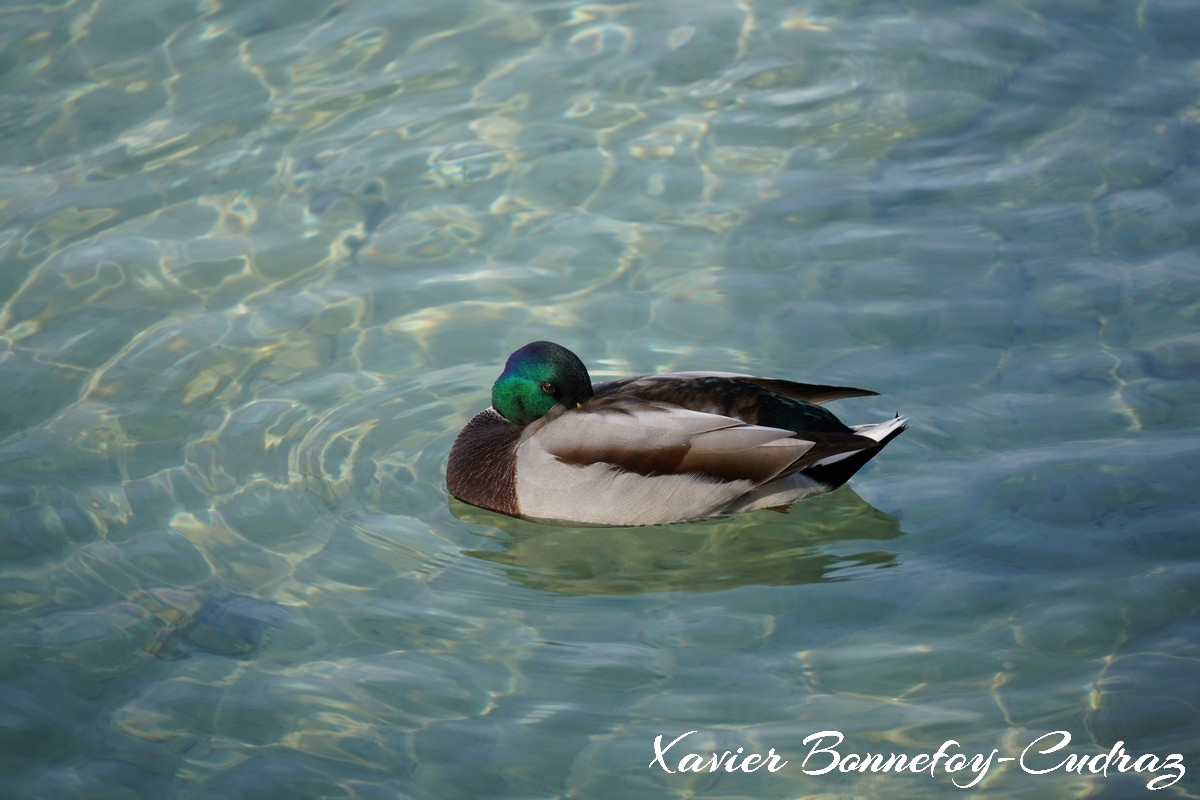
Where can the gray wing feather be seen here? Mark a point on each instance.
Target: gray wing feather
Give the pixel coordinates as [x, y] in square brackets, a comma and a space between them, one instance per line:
[658, 439]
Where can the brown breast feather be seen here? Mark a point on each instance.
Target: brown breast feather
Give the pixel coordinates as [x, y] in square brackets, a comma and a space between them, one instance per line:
[482, 469]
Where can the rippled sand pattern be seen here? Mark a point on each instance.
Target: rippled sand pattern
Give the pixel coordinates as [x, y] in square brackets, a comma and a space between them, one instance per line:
[259, 262]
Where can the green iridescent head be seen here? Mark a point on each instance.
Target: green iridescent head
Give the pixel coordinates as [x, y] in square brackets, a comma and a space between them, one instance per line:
[538, 377]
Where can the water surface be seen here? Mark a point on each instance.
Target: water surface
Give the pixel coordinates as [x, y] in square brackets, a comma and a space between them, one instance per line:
[259, 262]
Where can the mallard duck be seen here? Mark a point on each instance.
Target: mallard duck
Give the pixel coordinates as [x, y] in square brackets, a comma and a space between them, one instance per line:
[652, 449]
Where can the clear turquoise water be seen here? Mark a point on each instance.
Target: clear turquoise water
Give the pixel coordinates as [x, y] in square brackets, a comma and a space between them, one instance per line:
[259, 262]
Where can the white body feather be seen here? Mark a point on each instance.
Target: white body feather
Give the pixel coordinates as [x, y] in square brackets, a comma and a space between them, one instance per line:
[599, 493]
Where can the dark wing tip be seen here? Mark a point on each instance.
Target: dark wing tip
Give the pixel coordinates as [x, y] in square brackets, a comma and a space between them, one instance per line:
[809, 392]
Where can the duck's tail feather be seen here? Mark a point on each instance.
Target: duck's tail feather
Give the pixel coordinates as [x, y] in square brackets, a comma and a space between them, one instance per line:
[837, 469]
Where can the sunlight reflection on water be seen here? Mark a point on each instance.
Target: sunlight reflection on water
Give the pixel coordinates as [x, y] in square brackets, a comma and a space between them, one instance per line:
[261, 262]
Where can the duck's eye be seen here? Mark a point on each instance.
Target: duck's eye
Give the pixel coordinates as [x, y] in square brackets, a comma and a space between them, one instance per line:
[549, 388]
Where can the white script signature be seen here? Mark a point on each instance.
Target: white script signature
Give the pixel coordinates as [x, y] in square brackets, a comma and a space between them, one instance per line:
[1040, 757]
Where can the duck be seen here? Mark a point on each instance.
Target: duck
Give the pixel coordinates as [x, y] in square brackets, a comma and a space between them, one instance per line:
[652, 449]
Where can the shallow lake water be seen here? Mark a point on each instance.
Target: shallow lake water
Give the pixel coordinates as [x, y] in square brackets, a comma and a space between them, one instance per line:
[260, 261]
